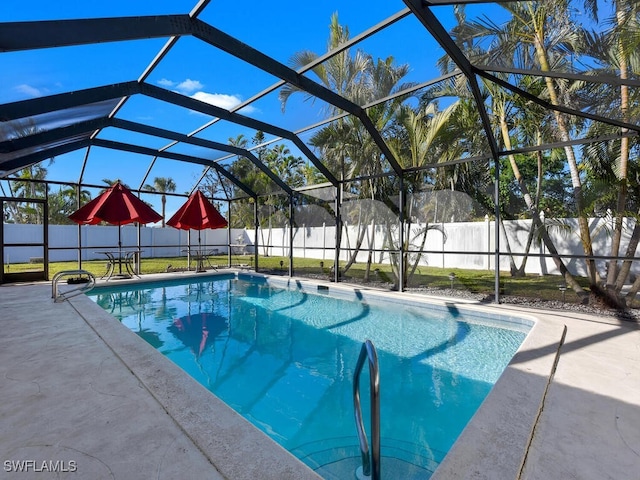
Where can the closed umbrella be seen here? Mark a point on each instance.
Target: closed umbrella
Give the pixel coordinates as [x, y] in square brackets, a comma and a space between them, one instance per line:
[118, 206]
[197, 213]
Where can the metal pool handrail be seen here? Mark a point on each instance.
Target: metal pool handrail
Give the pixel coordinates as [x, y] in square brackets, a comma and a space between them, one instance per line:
[370, 466]
[82, 287]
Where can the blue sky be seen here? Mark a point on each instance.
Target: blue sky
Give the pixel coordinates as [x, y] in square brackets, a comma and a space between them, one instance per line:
[193, 68]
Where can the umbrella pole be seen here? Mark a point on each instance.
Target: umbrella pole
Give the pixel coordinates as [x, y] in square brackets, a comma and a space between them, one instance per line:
[199, 262]
[120, 249]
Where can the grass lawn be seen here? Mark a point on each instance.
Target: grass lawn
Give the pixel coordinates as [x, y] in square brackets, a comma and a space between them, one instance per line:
[476, 281]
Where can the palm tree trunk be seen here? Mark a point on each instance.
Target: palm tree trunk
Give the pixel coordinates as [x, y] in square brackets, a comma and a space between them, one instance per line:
[626, 265]
[575, 286]
[563, 129]
[414, 267]
[356, 250]
[164, 203]
[523, 265]
[612, 274]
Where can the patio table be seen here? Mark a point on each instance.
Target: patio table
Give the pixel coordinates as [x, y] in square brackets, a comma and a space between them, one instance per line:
[119, 258]
[200, 256]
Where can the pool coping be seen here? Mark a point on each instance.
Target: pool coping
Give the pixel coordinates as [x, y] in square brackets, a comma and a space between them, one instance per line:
[493, 446]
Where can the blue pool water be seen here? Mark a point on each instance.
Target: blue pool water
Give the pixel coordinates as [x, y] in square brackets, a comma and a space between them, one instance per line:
[284, 359]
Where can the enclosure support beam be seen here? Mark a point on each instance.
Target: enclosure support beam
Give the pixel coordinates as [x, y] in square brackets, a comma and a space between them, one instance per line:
[10, 166]
[256, 224]
[61, 101]
[422, 11]
[209, 109]
[496, 202]
[82, 169]
[229, 238]
[552, 106]
[78, 192]
[290, 235]
[32, 107]
[2, 244]
[336, 260]
[53, 136]
[175, 156]
[45, 221]
[233, 46]
[401, 260]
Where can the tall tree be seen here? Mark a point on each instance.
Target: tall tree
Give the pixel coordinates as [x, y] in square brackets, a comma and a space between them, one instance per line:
[64, 202]
[110, 183]
[416, 145]
[616, 53]
[345, 146]
[29, 181]
[162, 185]
[343, 73]
[541, 35]
[28, 184]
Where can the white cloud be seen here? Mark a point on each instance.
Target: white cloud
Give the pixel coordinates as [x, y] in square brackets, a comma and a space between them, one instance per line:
[194, 88]
[166, 83]
[29, 90]
[189, 86]
[222, 100]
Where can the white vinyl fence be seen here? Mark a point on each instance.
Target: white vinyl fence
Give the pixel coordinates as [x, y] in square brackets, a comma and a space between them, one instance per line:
[468, 245]
[450, 250]
[154, 241]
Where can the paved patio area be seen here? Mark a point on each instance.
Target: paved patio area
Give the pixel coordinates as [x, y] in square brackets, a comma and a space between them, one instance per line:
[81, 390]
[588, 424]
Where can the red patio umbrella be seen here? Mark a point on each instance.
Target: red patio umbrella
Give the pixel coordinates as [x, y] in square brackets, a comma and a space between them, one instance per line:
[117, 206]
[197, 213]
[195, 330]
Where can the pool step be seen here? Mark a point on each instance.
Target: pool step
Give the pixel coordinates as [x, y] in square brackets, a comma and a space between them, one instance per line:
[337, 458]
[390, 468]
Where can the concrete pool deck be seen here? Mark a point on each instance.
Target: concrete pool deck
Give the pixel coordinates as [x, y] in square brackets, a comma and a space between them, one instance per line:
[82, 390]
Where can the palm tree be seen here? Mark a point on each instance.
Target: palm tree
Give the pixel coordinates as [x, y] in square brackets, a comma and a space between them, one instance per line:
[415, 145]
[110, 183]
[342, 73]
[345, 145]
[551, 37]
[540, 35]
[162, 185]
[616, 51]
[27, 184]
[64, 202]
[286, 166]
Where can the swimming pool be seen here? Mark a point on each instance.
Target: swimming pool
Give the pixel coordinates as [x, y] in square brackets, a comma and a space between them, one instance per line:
[284, 359]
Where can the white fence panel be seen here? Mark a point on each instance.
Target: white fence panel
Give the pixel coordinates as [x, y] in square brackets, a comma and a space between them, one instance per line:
[446, 251]
[462, 237]
[154, 241]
